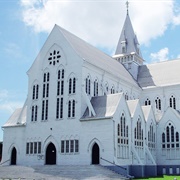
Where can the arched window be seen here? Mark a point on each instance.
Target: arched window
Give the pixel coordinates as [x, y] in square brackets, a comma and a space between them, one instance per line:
[126, 96]
[72, 85]
[163, 137]
[46, 85]
[147, 102]
[34, 112]
[60, 82]
[177, 139]
[123, 137]
[158, 103]
[106, 89]
[118, 130]
[71, 108]
[112, 90]
[59, 108]
[138, 132]
[46, 79]
[170, 140]
[60, 94]
[172, 102]
[88, 85]
[33, 97]
[123, 128]
[96, 87]
[35, 91]
[151, 137]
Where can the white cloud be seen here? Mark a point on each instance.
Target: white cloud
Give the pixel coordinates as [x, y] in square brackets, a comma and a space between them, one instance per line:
[3, 94]
[10, 106]
[13, 50]
[100, 22]
[161, 55]
[8, 101]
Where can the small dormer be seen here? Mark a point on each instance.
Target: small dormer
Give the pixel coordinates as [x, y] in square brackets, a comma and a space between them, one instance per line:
[124, 47]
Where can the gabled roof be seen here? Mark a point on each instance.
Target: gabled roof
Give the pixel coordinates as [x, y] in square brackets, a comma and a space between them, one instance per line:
[132, 104]
[165, 73]
[129, 37]
[104, 106]
[168, 110]
[18, 118]
[97, 58]
[146, 111]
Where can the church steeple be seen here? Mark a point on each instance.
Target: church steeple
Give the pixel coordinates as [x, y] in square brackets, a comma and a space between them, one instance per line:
[127, 51]
[128, 41]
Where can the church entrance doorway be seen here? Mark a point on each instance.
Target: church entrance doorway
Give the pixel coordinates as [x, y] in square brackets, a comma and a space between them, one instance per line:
[95, 154]
[51, 154]
[13, 156]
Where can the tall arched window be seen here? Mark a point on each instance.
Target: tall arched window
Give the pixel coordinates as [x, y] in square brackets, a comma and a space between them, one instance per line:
[139, 138]
[60, 94]
[123, 138]
[71, 108]
[172, 102]
[46, 79]
[72, 85]
[88, 85]
[96, 87]
[138, 131]
[34, 112]
[151, 138]
[158, 103]
[35, 91]
[170, 141]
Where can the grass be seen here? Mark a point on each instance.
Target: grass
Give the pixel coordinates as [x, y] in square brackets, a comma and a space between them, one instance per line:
[165, 177]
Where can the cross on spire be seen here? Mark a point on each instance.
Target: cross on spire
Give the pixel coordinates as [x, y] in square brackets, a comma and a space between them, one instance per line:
[127, 5]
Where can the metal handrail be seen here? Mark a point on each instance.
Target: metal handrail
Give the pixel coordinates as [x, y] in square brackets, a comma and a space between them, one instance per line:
[4, 162]
[113, 163]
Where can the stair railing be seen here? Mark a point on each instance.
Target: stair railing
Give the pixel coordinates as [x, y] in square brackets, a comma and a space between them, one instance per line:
[124, 168]
[113, 163]
[4, 162]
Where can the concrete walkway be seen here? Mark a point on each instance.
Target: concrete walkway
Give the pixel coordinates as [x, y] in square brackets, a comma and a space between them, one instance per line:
[53, 172]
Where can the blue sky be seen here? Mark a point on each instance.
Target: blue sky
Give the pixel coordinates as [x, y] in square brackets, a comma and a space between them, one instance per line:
[25, 25]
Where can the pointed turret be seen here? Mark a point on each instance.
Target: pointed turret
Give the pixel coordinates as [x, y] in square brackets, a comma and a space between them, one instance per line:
[128, 41]
[127, 51]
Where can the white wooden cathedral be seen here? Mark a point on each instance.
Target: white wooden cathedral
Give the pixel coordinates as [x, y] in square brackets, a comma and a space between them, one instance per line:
[84, 107]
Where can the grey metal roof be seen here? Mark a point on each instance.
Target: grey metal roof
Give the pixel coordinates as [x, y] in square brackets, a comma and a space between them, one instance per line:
[18, 118]
[165, 73]
[98, 58]
[104, 106]
[128, 36]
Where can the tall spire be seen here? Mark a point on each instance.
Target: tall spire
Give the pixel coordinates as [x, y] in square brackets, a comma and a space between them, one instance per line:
[127, 51]
[128, 42]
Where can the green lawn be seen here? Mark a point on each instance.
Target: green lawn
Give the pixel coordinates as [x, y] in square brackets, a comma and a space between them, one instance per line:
[162, 178]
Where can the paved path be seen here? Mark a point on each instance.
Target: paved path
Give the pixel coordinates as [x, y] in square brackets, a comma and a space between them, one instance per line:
[57, 173]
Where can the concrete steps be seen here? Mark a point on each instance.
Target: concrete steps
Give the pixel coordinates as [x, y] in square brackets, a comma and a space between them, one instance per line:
[93, 172]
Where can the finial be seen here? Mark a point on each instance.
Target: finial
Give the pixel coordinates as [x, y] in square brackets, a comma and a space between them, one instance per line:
[127, 6]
